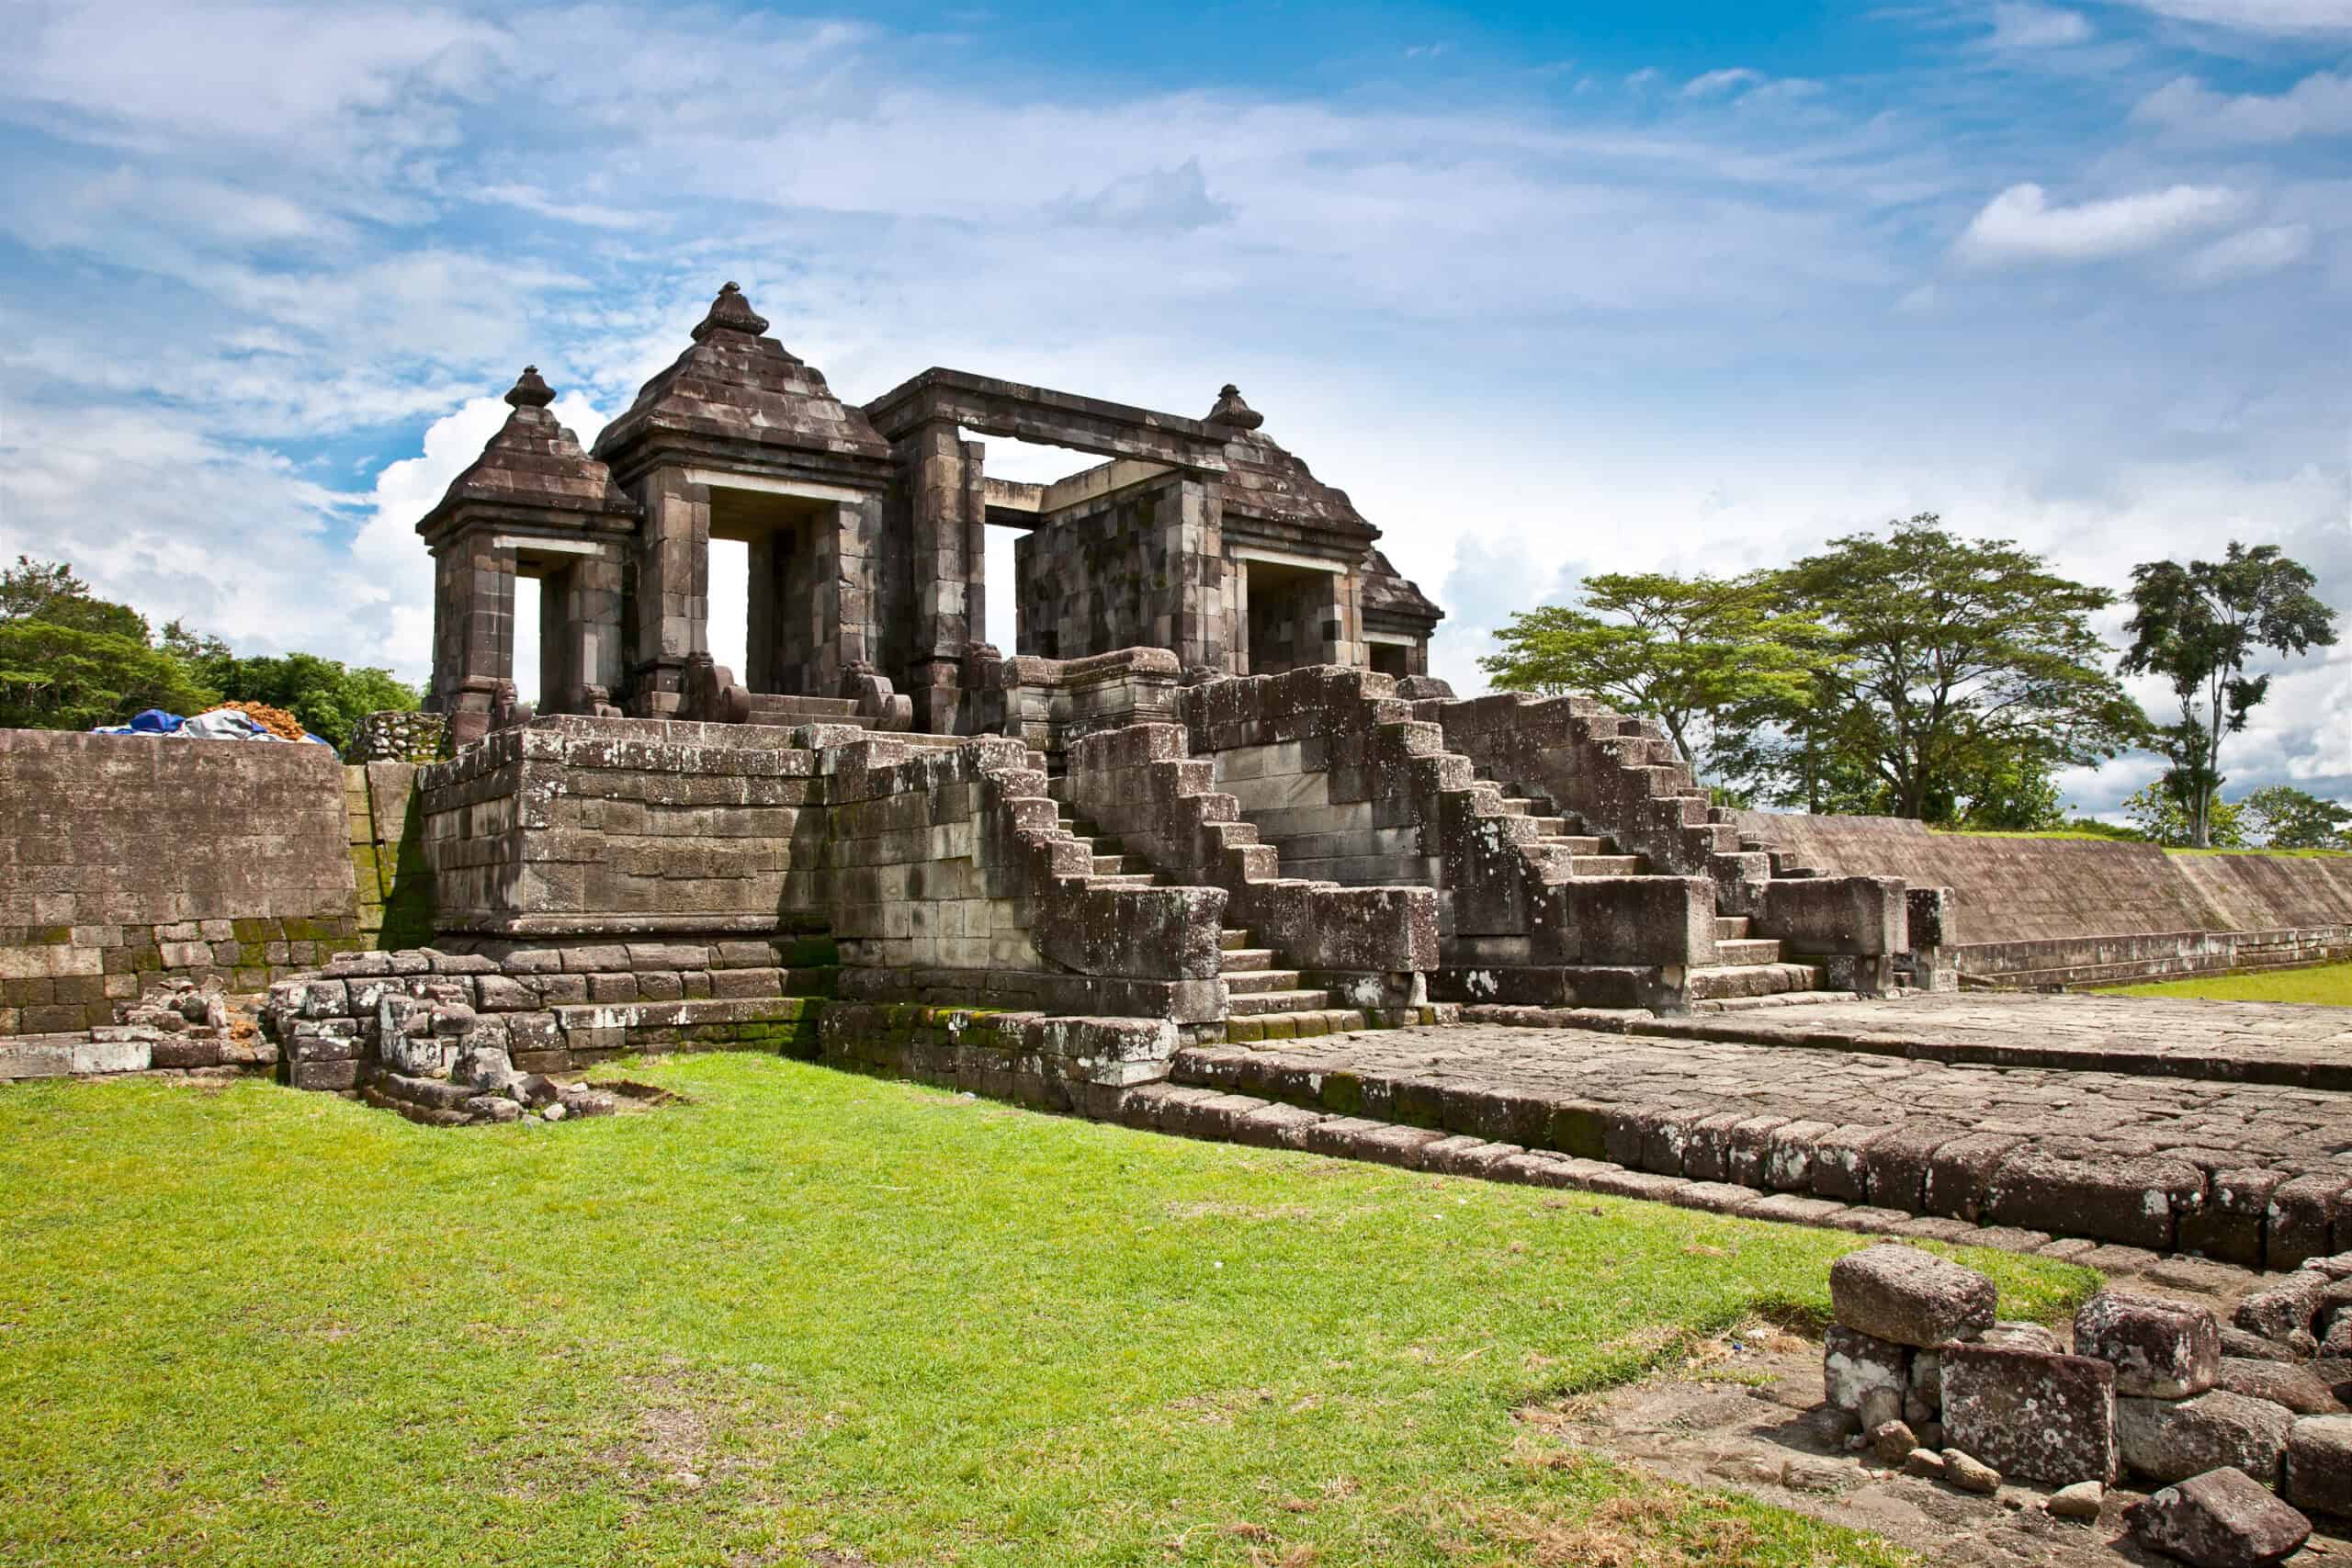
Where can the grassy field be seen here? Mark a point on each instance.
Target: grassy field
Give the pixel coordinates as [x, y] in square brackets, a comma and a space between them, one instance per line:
[2329, 985]
[808, 1317]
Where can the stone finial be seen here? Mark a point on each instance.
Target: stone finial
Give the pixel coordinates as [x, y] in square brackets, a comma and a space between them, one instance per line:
[1232, 413]
[731, 312]
[530, 392]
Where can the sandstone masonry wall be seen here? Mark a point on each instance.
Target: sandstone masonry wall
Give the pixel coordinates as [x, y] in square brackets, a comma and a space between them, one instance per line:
[2074, 910]
[123, 856]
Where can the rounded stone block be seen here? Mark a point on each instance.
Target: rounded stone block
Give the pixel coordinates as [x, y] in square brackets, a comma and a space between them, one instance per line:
[2160, 1348]
[1909, 1297]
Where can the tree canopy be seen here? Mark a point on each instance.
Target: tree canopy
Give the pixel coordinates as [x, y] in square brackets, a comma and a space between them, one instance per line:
[2196, 626]
[1688, 651]
[1950, 679]
[71, 661]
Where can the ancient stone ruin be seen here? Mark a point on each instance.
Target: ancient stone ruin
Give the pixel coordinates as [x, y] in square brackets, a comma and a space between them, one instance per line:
[1211, 803]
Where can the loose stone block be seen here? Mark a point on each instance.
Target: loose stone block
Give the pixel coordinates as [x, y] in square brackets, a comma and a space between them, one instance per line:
[2319, 1464]
[1854, 1363]
[2029, 1414]
[2289, 1307]
[1910, 1297]
[2160, 1348]
[2223, 1518]
[2172, 1439]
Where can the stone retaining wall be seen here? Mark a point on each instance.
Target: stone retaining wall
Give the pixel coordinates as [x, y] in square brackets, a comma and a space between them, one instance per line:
[2057, 912]
[129, 856]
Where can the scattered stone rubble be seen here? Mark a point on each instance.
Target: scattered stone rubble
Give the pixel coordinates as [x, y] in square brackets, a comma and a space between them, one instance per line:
[1925, 1377]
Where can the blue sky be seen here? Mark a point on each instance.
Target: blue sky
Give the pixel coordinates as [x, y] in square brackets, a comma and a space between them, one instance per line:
[1548, 290]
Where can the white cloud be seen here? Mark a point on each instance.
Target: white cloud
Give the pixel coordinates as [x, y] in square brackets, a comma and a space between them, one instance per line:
[2020, 225]
[2021, 25]
[2288, 17]
[586, 214]
[2319, 105]
[2249, 255]
[1715, 82]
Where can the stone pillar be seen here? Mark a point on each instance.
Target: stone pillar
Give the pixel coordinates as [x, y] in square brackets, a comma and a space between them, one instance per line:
[1338, 628]
[845, 558]
[764, 654]
[580, 632]
[1193, 550]
[942, 476]
[671, 615]
[474, 630]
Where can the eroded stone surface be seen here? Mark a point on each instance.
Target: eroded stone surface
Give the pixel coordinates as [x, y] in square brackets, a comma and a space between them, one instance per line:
[2172, 1439]
[2223, 1519]
[2029, 1414]
[2160, 1348]
[1910, 1297]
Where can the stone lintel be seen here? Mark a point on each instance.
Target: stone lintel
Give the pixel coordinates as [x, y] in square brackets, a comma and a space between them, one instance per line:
[993, 407]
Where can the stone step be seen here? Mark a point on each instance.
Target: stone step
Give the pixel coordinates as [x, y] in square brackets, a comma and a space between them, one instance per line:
[1233, 937]
[1747, 950]
[1258, 982]
[1138, 880]
[1549, 826]
[1731, 927]
[780, 707]
[1516, 806]
[1265, 1028]
[1242, 960]
[1576, 843]
[1605, 865]
[1258, 1004]
[1127, 864]
[1725, 982]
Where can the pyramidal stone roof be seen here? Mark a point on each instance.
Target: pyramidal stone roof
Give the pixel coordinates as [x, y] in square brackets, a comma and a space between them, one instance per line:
[1385, 590]
[736, 387]
[533, 462]
[1264, 480]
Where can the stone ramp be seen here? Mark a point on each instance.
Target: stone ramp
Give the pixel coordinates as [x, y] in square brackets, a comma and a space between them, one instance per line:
[2251, 1173]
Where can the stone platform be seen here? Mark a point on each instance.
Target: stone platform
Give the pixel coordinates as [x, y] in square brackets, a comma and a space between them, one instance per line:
[2270, 1042]
[2252, 1173]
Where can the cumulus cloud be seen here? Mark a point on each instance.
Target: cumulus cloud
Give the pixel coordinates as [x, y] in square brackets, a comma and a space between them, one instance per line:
[2319, 105]
[2021, 225]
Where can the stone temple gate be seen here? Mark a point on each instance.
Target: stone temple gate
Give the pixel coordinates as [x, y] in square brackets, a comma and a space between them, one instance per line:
[1202, 537]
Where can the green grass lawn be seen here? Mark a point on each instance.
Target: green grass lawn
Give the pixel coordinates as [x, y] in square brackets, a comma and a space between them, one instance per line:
[2329, 985]
[812, 1317]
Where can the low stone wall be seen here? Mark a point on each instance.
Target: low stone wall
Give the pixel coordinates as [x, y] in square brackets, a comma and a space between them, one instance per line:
[1082, 1065]
[1046, 703]
[552, 1009]
[2059, 963]
[123, 857]
[2066, 911]
[390, 736]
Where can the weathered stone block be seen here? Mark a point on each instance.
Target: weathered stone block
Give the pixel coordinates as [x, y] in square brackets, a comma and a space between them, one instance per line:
[2160, 1348]
[1854, 1363]
[2127, 1199]
[2319, 1464]
[2030, 1414]
[2286, 1308]
[2172, 1439]
[1909, 1297]
[2223, 1518]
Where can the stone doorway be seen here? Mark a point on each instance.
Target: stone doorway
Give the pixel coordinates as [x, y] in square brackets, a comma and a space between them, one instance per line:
[785, 625]
[1293, 615]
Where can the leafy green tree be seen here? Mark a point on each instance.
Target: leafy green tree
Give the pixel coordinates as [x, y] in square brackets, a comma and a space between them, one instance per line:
[327, 696]
[49, 591]
[58, 676]
[2018, 796]
[2162, 818]
[2281, 816]
[2197, 625]
[1689, 651]
[1958, 662]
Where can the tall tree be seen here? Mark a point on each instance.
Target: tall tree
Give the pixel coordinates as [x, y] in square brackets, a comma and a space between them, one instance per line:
[2198, 625]
[1959, 662]
[2283, 817]
[1688, 651]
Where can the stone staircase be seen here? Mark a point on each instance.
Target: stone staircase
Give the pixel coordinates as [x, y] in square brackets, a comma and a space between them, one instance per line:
[1746, 968]
[1264, 997]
